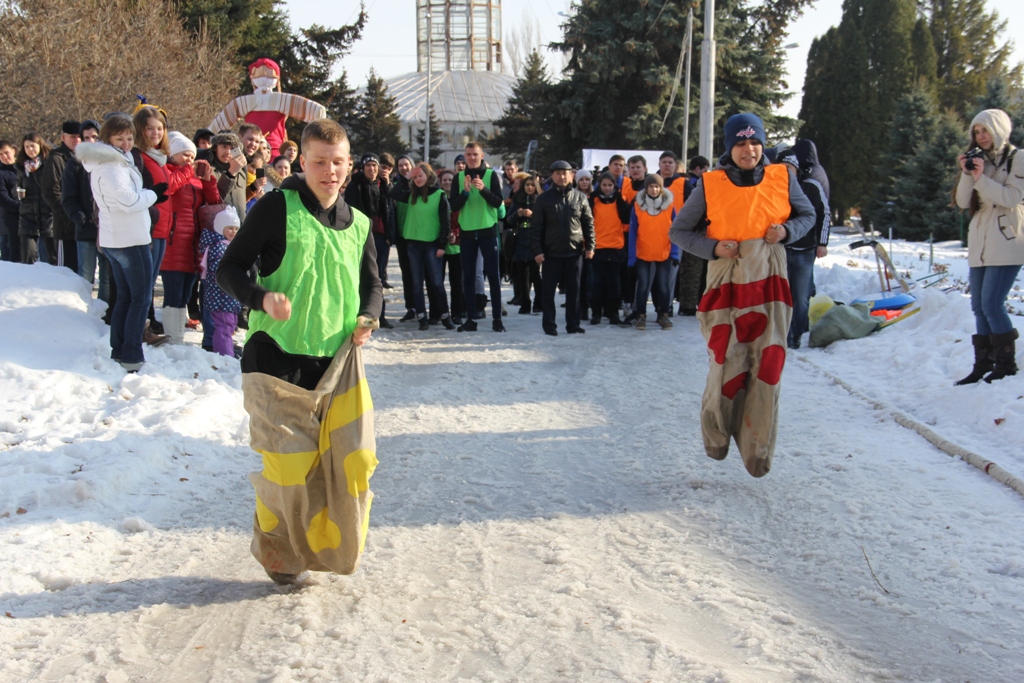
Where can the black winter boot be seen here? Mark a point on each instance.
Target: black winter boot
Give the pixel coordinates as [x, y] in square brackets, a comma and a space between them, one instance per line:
[1004, 354]
[982, 359]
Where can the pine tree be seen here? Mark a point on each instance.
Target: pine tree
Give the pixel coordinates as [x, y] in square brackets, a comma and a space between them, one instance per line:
[435, 138]
[376, 127]
[923, 190]
[924, 60]
[914, 124]
[966, 39]
[526, 116]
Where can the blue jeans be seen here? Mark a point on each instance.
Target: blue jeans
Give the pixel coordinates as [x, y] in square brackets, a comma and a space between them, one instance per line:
[383, 252]
[177, 288]
[989, 287]
[159, 248]
[653, 278]
[132, 268]
[800, 269]
[485, 242]
[424, 263]
[88, 259]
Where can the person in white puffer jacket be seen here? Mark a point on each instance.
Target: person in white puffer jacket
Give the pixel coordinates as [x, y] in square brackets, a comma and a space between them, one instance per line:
[991, 188]
[124, 237]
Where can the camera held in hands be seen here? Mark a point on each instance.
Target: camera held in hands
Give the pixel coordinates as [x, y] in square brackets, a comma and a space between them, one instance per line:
[976, 153]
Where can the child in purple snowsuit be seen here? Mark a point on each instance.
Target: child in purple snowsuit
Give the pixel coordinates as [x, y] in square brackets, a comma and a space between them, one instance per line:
[223, 309]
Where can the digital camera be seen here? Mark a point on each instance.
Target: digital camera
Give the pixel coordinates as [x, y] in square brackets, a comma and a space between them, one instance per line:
[976, 153]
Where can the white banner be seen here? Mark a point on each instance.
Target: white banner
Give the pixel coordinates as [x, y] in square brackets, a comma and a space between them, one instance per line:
[598, 158]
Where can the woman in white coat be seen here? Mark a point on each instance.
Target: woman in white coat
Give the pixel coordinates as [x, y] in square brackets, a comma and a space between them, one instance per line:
[992, 188]
[124, 225]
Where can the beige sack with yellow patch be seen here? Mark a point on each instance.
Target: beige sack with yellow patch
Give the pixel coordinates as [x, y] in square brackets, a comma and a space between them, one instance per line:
[313, 496]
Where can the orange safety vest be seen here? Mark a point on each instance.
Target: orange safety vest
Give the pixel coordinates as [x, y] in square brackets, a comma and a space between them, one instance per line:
[652, 243]
[677, 186]
[607, 225]
[628, 193]
[744, 213]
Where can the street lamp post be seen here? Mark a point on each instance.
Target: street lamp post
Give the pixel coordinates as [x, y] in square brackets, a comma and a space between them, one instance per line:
[707, 82]
[426, 124]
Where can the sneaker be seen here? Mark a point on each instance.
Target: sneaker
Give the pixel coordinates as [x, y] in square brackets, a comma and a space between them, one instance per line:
[385, 324]
[468, 326]
[640, 321]
[447, 322]
[282, 579]
[664, 321]
[498, 326]
[409, 316]
[424, 324]
[192, 324]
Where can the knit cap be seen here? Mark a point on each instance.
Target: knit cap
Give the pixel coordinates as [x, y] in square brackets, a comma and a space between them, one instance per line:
[742, 127]
[584, 174]
[179, 143]
[653, 179]
[226, 219]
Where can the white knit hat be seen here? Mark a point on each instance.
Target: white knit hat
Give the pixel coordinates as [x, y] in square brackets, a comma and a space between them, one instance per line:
[179, 143]
[226, 219]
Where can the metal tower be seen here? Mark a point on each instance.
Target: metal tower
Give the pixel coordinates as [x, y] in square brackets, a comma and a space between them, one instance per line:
[461, 35]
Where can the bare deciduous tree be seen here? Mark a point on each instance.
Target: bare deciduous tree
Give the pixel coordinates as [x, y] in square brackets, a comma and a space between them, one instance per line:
[521, 41]
[61, 60]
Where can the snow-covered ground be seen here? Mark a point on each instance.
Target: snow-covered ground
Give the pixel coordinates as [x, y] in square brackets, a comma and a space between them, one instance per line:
[544, 510]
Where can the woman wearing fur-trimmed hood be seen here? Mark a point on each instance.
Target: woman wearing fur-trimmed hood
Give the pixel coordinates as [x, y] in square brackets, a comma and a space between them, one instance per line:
[991, 187]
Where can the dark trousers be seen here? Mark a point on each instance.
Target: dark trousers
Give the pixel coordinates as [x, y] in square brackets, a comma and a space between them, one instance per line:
[426, 265]
[132, 268]
[605, 288]
[585, 266]
[800, 271]
[29, 249]
[403, 265]
[524, 275]
[383, 252]
[13, 251]
[67, 254]
[454, 264]
[564, 271]
[483, 242]
[177, 287]
[653, 278]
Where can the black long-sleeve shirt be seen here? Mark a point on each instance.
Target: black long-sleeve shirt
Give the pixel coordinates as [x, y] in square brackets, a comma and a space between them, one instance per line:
[402, 193]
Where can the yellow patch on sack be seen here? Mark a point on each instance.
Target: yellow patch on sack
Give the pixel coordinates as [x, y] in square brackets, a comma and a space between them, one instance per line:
[322, 532]
[359, 467]
[288, 469]
[267, 520]
[347, 408]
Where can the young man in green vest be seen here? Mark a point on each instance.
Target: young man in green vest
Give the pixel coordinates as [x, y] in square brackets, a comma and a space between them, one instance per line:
[317, 287]
[477, 201]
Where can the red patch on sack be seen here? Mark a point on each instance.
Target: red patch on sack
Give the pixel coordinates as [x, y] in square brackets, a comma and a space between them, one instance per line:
[772, 360]
[747, 294]
[719, 341]
[733, 386]
[750, 326]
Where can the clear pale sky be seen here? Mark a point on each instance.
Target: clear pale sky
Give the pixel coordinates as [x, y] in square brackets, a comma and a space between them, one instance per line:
[389, 40]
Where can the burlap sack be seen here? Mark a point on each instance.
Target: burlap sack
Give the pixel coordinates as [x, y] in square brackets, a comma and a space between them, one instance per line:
[744, 317]
[312, 497]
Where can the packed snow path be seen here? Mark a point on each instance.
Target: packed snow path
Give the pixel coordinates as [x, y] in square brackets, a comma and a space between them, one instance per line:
[544, 511]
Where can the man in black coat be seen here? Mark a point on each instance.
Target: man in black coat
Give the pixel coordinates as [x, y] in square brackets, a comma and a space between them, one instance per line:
[76, 199]
[561, 232]
[50, 178]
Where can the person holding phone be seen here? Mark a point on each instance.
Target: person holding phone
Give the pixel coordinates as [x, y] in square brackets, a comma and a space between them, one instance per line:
[228, 162]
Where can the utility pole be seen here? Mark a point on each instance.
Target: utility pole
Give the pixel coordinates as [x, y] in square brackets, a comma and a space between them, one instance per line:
[707, 82]
[426, 124]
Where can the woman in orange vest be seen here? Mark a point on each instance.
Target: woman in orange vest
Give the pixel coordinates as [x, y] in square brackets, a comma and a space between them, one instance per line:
[752, 208]
[611, 213]
[651, 251]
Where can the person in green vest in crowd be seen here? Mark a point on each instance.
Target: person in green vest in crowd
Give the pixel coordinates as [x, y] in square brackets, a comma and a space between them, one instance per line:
[427, 224]
[317, 288]
[453, 252]
[478, 202]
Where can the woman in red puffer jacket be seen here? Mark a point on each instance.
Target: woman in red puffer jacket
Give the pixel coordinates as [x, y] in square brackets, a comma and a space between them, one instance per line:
[190, 187]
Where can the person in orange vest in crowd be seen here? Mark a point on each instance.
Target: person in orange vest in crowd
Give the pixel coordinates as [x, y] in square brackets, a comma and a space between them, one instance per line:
[611, 213]
[752, 208]
[634, 184]
[651, 251]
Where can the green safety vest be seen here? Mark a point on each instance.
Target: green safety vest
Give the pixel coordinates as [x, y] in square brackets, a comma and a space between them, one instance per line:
[422, 222]
[319, 274]
[477, 214]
